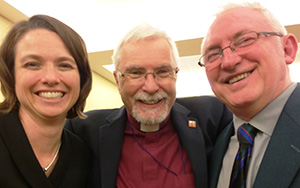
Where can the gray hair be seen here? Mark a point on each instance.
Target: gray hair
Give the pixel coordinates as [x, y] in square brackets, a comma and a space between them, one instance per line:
[144, 31]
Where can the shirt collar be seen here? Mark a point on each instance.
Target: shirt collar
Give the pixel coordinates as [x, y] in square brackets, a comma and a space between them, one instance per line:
[136, 124]
[266, 119]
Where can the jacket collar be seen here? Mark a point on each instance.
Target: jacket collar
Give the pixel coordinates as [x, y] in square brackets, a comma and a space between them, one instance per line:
[13, 134]
[281, 161]
[111, 138]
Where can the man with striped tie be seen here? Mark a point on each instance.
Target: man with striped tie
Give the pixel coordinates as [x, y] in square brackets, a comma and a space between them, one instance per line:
[246, 54]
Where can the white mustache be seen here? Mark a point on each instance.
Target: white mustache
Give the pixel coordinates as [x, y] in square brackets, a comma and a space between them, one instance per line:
[150, 99]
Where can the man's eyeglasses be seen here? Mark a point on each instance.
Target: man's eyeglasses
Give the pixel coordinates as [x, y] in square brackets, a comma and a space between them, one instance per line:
[214, 55]
[139, 73]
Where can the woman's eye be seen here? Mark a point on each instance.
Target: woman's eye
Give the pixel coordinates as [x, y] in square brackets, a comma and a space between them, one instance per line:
[32, 65]
[66, 66]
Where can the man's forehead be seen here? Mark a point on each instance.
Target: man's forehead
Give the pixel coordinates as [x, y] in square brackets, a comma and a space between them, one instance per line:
[232, 22]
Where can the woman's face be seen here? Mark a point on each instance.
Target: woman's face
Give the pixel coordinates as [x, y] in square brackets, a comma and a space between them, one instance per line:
[47, 77]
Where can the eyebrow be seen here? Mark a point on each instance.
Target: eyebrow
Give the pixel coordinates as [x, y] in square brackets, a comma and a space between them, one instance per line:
[212, 47]
[216, 46]
[134, 67]
[32, 56]
[65, 59]
[39, 58]
[141, 67]
[238, 34]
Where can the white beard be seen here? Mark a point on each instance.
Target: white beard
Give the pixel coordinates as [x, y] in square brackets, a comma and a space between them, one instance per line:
[151, 118]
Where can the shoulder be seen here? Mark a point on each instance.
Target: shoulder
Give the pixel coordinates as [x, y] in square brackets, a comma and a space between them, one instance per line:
[199, 99]
[99, 114]
[213, 116]
[74, 143]
[206, 109]
[11, 117]
[95, 119]
[94, 116]
[202, 103]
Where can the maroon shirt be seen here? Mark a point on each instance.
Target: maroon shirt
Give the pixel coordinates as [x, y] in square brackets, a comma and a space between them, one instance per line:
[138, 169]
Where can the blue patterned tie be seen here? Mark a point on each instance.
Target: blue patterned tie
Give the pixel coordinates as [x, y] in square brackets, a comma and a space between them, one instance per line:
[245, 134]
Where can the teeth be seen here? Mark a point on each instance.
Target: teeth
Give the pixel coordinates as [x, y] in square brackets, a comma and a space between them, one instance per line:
[51, 95]
[150, 102]
[238, 78]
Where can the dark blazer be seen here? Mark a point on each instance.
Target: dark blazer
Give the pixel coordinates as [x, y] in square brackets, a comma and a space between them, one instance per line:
[280, 166]
[103, 131]
[19, 167]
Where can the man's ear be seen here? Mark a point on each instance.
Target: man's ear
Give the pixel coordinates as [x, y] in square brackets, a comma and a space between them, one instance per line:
[290, 48]
[116, 77]
[117, 80]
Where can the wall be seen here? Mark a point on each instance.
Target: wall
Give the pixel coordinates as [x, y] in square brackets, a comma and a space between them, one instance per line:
[4, 27]
[104, 95]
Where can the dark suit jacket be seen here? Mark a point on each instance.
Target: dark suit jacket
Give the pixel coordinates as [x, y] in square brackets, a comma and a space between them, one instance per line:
[280, 166]
[19, 167]
[103, 131]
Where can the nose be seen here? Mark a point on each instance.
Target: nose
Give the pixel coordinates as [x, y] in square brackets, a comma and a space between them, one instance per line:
[50, 75]
[229, 58]
[150, 85]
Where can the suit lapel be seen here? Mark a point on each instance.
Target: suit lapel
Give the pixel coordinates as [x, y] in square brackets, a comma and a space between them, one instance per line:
[110, 145]
[22, 154]
[216, 158]
[191, 138]
[281, 161]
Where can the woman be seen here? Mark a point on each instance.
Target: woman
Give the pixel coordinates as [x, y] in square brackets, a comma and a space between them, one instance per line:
[45, 78]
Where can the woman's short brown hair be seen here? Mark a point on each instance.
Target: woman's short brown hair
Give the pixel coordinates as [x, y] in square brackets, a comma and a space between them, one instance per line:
[73, 43]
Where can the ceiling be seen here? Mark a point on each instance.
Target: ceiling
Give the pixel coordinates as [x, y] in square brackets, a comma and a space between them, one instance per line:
[102, 23]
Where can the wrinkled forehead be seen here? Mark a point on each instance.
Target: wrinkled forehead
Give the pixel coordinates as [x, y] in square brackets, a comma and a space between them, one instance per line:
[233, 21]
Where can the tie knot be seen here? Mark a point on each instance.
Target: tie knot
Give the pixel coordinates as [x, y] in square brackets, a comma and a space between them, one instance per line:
[246, 134]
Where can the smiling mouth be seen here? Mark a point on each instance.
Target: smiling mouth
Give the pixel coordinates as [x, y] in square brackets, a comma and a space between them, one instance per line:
[150, 101]
[51, 95]
[238, 78]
